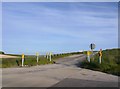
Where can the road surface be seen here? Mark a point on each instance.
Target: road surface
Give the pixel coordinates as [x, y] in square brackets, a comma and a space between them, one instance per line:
[65, 73]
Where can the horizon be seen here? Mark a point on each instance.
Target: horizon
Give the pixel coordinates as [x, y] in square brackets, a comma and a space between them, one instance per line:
[44, 53]
[42, 27]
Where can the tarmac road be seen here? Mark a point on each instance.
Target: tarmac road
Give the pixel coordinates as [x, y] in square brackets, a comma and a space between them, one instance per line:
[65, 73]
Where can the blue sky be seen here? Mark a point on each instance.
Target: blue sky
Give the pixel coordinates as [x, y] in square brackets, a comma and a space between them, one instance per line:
[58, 27]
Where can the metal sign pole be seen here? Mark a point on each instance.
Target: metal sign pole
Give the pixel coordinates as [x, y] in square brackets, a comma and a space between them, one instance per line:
[92, 46]
[100, 56]
[92, 54]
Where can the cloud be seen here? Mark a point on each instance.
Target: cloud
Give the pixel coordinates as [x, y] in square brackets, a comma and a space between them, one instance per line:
[60, 24]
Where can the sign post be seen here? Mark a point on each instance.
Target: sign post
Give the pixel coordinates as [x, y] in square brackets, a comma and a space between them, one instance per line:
[92, 46]
[100, 56]
[23, 60]
[37, 54]
[88, 56]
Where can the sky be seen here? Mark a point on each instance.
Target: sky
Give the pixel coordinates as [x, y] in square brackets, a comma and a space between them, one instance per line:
[0, 26]
[58, 26]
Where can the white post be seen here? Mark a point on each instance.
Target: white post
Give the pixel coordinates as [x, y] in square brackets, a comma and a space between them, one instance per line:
[50, 56]
[100, 56]
[37, 54]
[22, 60]
[100, 59]
[37, 59]
[88, 57]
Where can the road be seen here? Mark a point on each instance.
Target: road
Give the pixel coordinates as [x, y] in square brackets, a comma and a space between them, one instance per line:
[65, 73]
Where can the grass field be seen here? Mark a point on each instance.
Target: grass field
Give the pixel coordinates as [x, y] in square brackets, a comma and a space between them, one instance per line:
[110, 62]
[30, 60]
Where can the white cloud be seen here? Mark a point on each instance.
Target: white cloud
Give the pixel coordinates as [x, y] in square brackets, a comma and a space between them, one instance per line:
[41, 24]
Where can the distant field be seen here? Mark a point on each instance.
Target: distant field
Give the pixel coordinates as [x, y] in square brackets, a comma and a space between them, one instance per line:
[7, 56]
[30, 60]
[110, 62]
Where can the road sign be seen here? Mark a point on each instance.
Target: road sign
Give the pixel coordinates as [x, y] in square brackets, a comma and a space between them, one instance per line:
[92, 46]
[100, 53]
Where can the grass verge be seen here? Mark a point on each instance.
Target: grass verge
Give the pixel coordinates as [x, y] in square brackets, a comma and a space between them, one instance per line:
[30, 60]
[110, 62]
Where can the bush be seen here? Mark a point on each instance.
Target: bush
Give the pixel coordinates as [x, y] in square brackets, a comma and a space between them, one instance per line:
[2, 52]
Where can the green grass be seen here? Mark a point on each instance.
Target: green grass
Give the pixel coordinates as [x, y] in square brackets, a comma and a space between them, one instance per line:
[30, 60]
[110, 62]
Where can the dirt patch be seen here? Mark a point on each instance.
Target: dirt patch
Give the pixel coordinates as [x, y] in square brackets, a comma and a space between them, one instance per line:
[7, 56]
